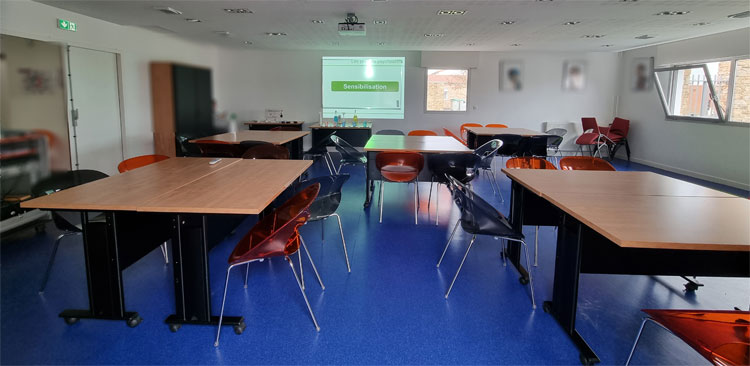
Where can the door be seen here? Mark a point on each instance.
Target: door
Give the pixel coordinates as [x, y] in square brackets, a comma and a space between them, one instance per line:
[96, 140]
[193, 109]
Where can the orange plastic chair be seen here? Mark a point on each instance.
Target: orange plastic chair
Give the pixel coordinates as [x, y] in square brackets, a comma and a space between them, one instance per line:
[528, 162]
[496, 125]
[462, 130]
[139, 161]
[451, 134]
[399, 167]
[422, 133]
[216, 148]
[585, 163]
[275, 235]
[266, 151]
[721, 336]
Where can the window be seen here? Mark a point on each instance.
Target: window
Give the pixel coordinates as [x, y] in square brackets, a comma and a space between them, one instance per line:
[714, 91]
[447, 90]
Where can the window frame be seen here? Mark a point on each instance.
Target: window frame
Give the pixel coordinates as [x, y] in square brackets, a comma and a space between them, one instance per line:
[723, 115]
[468, 88]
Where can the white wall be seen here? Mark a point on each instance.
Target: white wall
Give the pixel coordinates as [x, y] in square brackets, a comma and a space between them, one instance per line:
[719, 153]
[136, 46]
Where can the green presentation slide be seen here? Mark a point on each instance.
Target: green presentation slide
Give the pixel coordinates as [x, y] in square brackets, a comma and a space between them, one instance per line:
[371, 87]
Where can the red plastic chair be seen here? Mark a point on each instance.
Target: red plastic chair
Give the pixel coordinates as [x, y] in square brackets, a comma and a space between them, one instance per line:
[451, 134]
[496, 125]
[266, 151]
[722, 337]
[139, 161]
[463, 131]
[585, 163]
[617, 135]
[597, 136]
[216, 148]
[422, 133]
[399, 167]
[528, 162]
[276, 235]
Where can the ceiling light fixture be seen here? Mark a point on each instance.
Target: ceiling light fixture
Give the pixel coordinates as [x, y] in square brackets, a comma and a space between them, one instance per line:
[645, 36]
[744, 14]
[592, 36]
[607, 45]
[238, 11]
[381, 43]
[168, 10]
[508, 22]
[700, 24]
[379, 21]
[628, 1]
[515, 44]
[574, 22]
[223, 33]
[272, 34]
[672, 12]
[191, 20]
[471, 44]
[247, 43]
[434, 34]
[318, 21]
[451, 12]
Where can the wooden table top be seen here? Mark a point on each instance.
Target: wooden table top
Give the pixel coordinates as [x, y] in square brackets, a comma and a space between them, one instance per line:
[422, 144]
[247, 187]
[541, 182]
[318, 126]
[662, 222]
[274, 137]
[129, 190]
[492, 131]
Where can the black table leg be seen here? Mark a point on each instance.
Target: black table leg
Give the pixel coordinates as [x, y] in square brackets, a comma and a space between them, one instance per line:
[565, 289]
[513, 250]
[191, 276]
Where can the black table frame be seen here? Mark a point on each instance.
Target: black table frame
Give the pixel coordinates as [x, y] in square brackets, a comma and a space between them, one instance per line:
[580, 249]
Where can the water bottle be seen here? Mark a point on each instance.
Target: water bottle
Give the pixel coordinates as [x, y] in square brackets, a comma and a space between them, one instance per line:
[335, 118]
[354, 119]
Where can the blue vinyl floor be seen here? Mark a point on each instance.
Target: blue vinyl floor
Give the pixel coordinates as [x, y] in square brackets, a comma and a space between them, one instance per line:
[389, 310]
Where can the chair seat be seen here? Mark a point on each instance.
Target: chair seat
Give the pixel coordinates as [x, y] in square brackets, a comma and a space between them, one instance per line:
[399, 173]
[587, 139]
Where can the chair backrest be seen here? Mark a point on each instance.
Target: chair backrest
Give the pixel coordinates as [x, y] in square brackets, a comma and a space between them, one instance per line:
[557, 132]
[329, 196]
[585, 163]
[532, 146]
[462, 130]
[511, 144]
[477, 215]
[721, 336]
[619, 128]
[186, 148]
[276, 233]
[216, 148]
[457, 165]
[403, 158]
[60, 181]
[589, 123]
[451, 134]
[347, 150]
[554, 141]
[321, 147]
[139, 161]
[422, 133]
[487, 151]
[266, 151]
[496, 125]
[390, 132]
[528, 162]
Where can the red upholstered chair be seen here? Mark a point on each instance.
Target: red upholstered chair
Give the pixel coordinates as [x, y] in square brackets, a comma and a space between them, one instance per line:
[463, 129]
[276, 235]
[451, 134]
[399, 167]
[422, 133]
[139, 161]
[617, 135]
[585, 163]
[266, 151]
[216, 148]
[722, 337]
[595, 136]
[496, 125]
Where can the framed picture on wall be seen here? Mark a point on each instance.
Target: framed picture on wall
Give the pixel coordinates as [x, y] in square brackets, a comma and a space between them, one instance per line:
[511, 75]
[574, 75]
[642, 74]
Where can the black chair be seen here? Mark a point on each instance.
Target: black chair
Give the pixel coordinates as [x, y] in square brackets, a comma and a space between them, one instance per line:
[459, 166]
[186, 148]
[390, 132]
[533, 146]
[486, 153]
[479, 218]
[67, 221]
[349, 154]
[554, 140]
[321, 150]
[510, 145]
[327, 202]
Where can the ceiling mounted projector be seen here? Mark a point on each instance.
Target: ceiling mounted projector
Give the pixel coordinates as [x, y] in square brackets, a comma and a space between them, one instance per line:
[351, 26]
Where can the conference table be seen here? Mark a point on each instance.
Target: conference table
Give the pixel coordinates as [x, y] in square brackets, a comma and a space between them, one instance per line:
[426, 145]
[292, 140]
[476, 136]
[177, 199]
[638, 223]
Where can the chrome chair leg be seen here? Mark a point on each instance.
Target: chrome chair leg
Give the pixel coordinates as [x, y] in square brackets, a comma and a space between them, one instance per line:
[505, 256]
[437, 204]
[416, 201]
[461, 266]
[381, 199]
[488, 179]
[291, 265]
[325, 157]
[531, 281]
[223, 300]
[429, 196]
[498, 187]
[638, 337]
[165, 253]
[52, 259]
[343, 242]
[315, 269]
[247, 272]
[448, 243]
[536, 246]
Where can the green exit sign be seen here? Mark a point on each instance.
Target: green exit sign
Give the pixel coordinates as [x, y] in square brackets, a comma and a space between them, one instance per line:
[66, 25]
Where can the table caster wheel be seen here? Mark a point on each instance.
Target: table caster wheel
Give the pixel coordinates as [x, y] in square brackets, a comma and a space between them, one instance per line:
[523, 280]
[547, 307]
[70, 321]
[239, 328]
[134, 321]
[174, 327]
[587, 361]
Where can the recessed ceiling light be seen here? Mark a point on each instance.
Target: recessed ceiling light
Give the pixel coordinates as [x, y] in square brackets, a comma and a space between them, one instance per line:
[247, 43]
[607, 45]
[238, 11]
[744, 14]
[516, 44]
[645, 36]
[334, 43]
[628, 1]
[270, 34]
[672, 12]
[318, 21]
[223, 33]
[381, 43]
[592, 36]
[379, 21]
[544, 1]
[471, 44]
[191, 20]
[701, 24]
[168, 10]
[574, 22]
[508, 22]
[451, 12]
[379, 1]
[434, 34]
